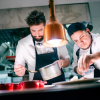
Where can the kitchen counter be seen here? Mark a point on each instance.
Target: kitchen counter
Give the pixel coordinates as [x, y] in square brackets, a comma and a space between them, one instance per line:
[76, 92]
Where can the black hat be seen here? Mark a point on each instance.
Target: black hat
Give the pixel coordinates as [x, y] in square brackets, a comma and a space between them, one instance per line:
[75, 27]
[90, 27]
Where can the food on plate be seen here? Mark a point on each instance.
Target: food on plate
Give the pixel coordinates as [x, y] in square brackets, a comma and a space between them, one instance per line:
[82, 78]
[75, 78]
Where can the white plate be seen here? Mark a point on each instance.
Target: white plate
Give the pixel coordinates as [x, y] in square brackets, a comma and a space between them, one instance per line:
[91, 80]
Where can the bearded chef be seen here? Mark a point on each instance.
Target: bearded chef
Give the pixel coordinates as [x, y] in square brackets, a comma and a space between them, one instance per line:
[30, 51]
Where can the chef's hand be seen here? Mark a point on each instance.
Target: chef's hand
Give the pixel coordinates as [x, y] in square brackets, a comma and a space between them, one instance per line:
[78, 71]
[84, 62]
[60, 63]
[19, 70]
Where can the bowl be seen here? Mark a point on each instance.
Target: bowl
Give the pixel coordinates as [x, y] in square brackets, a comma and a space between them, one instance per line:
[33, 84]
[17, 86]
[7, 86]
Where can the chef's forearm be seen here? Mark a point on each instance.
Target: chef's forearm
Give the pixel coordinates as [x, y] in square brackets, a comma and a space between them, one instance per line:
[95, 56]
[66, 62]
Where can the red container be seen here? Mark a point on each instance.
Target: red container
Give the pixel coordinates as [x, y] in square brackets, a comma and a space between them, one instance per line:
[17, 86]
[7, 86]
[41, 84]
[33, 84]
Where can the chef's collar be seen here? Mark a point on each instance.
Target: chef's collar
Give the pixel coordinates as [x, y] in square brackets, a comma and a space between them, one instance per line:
[39, 43]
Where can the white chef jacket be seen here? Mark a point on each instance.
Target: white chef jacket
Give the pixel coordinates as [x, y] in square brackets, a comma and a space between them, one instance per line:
[95, 47]
[25, 53]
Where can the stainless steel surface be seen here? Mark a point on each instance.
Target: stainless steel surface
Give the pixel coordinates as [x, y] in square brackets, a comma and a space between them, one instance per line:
[31, 71]
[84, 81]
[50, 71]
[56, 89]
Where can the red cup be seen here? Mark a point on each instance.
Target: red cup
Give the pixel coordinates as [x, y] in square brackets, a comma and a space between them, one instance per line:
[6, 86]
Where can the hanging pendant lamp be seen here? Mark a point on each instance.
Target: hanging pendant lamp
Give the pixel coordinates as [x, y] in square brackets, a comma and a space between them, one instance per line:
[54, 32]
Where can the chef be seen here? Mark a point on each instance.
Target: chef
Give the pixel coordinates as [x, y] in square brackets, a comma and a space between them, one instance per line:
[86, 51]
[30, 51]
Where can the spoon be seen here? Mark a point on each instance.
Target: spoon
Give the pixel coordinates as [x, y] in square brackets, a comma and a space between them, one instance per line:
[31, 71]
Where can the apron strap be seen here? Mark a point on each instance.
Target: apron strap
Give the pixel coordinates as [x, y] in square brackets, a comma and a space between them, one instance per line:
[77, 54]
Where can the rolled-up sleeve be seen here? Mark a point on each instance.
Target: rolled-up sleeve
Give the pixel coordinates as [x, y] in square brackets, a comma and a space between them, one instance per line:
[19, 59]
[63, 52]
[74, 64]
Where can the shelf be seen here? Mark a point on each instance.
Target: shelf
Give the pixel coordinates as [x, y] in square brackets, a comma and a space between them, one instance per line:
[10, 57]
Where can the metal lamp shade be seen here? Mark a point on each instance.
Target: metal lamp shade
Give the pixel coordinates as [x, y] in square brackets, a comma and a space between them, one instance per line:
[54, 32]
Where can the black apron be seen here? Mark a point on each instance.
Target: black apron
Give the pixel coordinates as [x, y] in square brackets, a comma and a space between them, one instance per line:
[96, 71]
[46, 59]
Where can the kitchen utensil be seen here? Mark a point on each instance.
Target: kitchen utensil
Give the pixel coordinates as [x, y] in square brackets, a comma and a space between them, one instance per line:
[31, 71]
[50, 71]
[91, 80]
